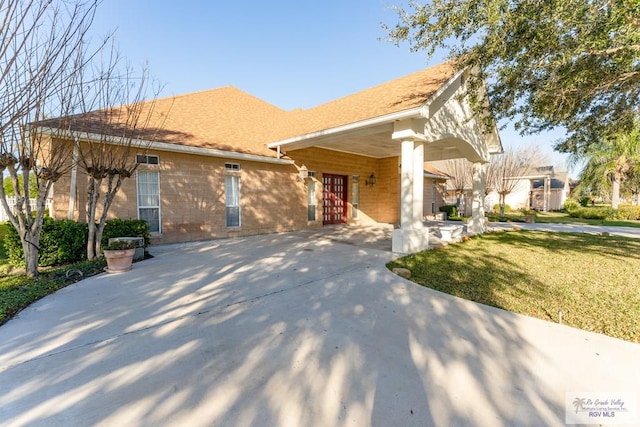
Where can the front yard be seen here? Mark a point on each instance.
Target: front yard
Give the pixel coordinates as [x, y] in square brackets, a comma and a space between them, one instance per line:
[592, 280]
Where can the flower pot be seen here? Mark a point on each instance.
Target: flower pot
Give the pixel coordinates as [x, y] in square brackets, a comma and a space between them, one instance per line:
[119, 260]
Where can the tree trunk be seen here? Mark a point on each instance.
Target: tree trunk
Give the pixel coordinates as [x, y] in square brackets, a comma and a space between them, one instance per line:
[615, 191]
[30, 249]
[503, 199]
[94, 185]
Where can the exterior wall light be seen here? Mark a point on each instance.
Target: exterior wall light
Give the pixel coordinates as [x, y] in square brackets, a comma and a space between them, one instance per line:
[371, 180]
[303, 173]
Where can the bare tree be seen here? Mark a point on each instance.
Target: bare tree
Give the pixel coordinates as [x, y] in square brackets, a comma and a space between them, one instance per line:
[41, 49]
[461, 173]
[116, 124]
[507, 169]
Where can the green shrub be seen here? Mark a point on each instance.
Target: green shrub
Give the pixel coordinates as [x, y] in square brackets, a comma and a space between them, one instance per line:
[496, 208]
[626, 212]
[585, 201]
[61, 242]
[571, 205]
[125, 228]
[65, 241]
[450, 210]
[600, 212]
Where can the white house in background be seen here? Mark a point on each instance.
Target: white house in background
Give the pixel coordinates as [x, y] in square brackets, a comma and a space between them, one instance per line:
[543, 190]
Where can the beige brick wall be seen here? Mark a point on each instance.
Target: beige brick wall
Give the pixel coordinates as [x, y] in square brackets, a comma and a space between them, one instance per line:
[193, 198]
[272, 198]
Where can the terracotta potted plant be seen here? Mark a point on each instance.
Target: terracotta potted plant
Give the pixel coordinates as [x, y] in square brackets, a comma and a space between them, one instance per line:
[119, 256]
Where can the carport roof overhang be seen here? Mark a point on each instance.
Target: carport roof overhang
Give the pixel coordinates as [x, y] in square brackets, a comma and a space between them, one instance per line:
[370, 138]
[375, 138]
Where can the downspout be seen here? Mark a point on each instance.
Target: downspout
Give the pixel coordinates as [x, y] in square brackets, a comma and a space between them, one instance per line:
[74, 175]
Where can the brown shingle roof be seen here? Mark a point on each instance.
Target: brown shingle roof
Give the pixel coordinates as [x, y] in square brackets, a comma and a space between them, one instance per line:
[405, 93]
[230, 119]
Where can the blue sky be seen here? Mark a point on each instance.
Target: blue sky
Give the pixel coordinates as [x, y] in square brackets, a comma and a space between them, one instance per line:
[288, 53]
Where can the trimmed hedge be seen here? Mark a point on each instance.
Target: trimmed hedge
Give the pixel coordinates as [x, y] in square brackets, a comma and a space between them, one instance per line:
[65, 241]
[625, 212]
[61, 242]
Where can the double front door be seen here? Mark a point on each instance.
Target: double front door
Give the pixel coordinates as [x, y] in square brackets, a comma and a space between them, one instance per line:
[334, 199]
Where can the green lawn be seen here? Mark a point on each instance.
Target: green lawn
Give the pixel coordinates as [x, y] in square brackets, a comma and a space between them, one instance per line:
[593, 279]
[563, 218]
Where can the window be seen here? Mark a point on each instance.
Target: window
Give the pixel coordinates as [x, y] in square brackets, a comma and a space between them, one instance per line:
[232, 195]
[311, 201]
[143, 159]
[149, 199]
[355, 195]
[232, 167]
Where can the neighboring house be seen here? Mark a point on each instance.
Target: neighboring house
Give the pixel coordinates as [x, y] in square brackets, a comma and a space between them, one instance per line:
[544, 190]
[229, 164]
[435, 187]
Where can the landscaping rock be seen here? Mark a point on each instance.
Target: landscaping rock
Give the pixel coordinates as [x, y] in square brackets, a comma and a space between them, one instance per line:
[402, 272]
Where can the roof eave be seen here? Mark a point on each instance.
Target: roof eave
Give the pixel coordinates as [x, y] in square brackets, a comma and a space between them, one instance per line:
[164, 146]
[387, 118]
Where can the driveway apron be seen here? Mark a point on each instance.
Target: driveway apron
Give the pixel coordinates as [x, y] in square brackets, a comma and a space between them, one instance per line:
[287, 330]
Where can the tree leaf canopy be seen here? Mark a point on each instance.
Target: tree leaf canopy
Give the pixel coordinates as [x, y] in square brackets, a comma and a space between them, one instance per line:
[569, 63]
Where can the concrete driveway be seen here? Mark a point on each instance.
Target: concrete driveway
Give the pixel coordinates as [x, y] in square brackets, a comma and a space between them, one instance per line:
[289, 330]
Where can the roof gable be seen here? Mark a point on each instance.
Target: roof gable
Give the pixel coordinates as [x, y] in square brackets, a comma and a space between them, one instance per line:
[405, 93]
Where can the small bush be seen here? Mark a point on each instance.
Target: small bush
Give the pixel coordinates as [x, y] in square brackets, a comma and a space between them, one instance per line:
[496, 208]
[450, 210]
[61, 242]
[571, 205]
[125, 228]
[585, 201]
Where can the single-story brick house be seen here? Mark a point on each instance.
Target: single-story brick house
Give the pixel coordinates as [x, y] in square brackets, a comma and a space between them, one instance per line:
[229, 164]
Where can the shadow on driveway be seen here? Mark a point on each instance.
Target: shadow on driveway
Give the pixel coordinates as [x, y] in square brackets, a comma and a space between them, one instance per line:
[286, 330]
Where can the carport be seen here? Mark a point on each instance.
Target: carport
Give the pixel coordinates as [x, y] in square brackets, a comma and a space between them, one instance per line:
[437, 126]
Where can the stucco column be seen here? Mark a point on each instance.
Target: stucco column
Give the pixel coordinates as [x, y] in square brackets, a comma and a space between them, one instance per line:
[406, 184]
[418, 185]
[412, 235]
[477, 222]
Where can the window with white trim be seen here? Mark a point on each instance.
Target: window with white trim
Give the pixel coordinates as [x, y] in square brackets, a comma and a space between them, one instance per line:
[311, 200]
[148, 183]
[232, 197]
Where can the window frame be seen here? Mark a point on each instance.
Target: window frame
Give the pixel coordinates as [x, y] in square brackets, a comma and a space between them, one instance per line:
[312, 201]
[139, 206]
[232, 171]
[143, 159]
